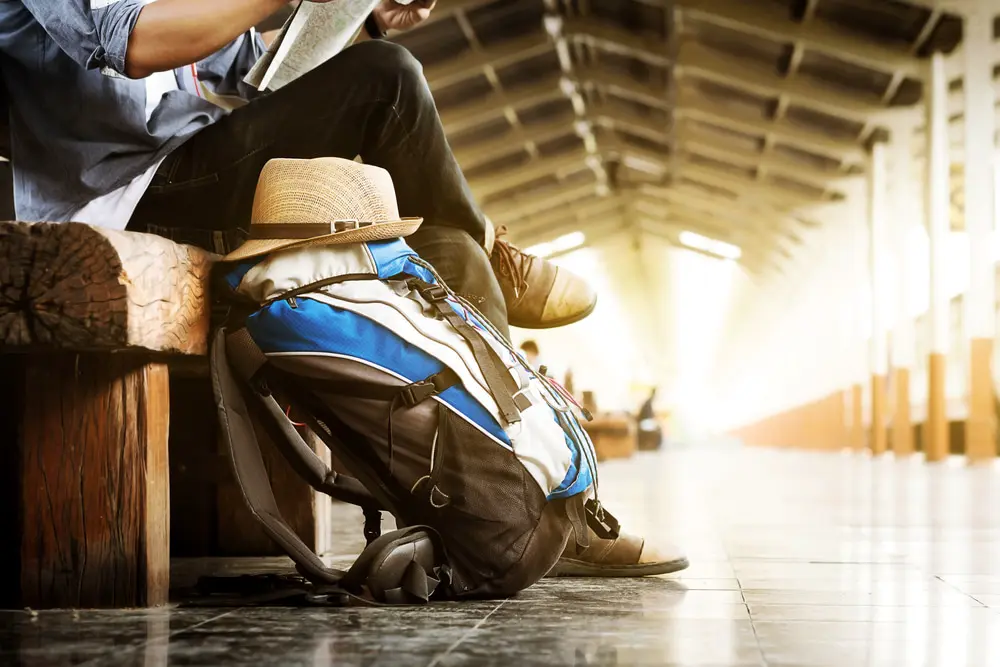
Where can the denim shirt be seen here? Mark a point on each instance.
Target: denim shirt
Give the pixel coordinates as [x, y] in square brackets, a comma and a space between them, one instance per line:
[79, 125]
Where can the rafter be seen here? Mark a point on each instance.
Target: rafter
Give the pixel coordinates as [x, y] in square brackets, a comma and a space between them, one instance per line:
[715, 149]
[746, 187]
[697, 60]
[740, 184]
[607, 207]
[741, 229]
[483, 152]
[472, 63]
[693, 59]
[710, 145]
[489, 185]
[722, 207]
[625, 86]
[612, 38]
[514, 209]
[447, 10]
[694, 107]
[689, 106]
[485, 109]
[773, 22]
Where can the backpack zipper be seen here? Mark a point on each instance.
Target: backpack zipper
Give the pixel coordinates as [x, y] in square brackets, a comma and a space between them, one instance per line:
[318, 285]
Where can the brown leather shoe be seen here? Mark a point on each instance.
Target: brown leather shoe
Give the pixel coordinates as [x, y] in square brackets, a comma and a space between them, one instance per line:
[626, 556]
[539, 294]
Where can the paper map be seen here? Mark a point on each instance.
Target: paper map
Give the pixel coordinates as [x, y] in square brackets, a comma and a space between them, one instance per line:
[313, 34]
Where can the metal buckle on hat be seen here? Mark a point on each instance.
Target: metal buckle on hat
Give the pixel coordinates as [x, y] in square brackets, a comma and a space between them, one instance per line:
[345, 225]
[349, 225]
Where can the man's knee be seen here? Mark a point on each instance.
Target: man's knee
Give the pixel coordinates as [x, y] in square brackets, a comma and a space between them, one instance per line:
[464, 265]
[380, 56]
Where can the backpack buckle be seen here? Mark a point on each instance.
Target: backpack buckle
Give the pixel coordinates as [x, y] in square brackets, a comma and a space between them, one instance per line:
[418, 392]
[434, 293]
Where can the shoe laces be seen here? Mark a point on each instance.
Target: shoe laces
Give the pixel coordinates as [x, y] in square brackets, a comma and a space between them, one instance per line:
[512, 262]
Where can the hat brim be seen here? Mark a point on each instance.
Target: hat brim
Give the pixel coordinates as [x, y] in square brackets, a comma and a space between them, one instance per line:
[377, 231]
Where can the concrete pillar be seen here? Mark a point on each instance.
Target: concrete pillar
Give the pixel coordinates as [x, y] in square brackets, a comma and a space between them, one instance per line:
[878, 276]
[858, 285]
[935, 431]
[980, 208]
[904, 210]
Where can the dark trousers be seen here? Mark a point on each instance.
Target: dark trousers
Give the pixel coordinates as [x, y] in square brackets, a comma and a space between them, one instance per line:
[6, 192]
[372, 101]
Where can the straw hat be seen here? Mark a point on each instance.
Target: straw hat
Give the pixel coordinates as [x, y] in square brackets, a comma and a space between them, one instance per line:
[327, 201]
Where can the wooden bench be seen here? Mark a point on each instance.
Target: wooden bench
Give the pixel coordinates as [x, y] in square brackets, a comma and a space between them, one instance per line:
[103, 336]
[88, 319]
[614, 436]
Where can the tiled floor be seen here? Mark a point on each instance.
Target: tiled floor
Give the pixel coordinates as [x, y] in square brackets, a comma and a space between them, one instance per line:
[797, 559]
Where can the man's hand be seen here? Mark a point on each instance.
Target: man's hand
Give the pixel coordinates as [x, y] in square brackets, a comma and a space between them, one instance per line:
[391, 15]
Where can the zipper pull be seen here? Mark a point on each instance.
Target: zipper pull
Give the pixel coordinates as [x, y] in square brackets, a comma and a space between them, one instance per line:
[293, 303]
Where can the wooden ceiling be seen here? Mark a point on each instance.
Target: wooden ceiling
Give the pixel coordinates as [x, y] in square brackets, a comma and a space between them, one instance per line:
[725, 117]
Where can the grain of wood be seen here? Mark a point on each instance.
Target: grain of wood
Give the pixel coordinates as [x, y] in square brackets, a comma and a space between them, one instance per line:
[93, 483]
[77, 287]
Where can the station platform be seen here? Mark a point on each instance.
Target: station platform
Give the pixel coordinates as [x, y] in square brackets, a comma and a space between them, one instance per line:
[798, 559]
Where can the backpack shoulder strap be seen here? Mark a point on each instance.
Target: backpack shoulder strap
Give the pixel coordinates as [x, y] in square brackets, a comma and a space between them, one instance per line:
[248, 466]
[247, 359]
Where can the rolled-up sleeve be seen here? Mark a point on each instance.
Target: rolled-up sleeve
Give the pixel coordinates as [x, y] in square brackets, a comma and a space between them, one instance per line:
[94, 33]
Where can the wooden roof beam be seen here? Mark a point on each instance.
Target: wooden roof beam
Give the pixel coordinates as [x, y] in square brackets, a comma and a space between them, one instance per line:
[490, 107]
[513, 210]
[772, 22]
[472, 63]
[606, 207]
[483, 152]
[784, 132]
[699, 61]
[847, 151]
[699, 200]
[492, 184]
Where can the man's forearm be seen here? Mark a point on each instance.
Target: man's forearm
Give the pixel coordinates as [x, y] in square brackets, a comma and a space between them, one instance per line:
[175, 33]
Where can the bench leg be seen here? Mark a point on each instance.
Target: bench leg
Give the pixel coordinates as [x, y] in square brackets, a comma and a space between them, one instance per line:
[90, 483]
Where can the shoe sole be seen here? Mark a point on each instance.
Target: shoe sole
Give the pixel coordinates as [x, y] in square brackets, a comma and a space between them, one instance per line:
[569, 567]
[554, 324]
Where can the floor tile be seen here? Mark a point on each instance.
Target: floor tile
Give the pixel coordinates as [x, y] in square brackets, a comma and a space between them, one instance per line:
[798, 558]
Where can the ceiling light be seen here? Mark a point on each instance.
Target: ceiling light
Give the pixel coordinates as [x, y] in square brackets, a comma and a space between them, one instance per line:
[711, 246]
[564, 243]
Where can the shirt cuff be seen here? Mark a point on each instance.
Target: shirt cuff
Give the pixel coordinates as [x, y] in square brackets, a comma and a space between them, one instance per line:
[114, 21]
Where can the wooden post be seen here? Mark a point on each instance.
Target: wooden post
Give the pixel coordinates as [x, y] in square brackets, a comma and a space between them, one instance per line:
[91, 519]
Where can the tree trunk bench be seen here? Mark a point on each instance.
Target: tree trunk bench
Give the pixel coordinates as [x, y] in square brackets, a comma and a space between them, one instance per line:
[103, 337]
[88, 319]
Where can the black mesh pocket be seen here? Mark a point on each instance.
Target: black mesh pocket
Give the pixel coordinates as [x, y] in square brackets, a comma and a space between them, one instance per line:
[485, 503]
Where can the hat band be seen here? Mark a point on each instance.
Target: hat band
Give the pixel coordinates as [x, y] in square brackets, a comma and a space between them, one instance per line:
[301, 230]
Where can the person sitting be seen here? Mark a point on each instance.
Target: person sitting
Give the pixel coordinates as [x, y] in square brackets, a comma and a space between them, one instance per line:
[112, 126]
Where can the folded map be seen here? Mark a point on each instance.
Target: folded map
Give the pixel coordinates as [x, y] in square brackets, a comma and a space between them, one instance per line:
[313, 34]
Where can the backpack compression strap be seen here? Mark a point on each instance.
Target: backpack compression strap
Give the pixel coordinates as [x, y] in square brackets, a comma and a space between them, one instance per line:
[248, 467]
[498, 379]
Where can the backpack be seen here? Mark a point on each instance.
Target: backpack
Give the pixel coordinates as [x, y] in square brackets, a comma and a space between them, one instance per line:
[438, 420]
